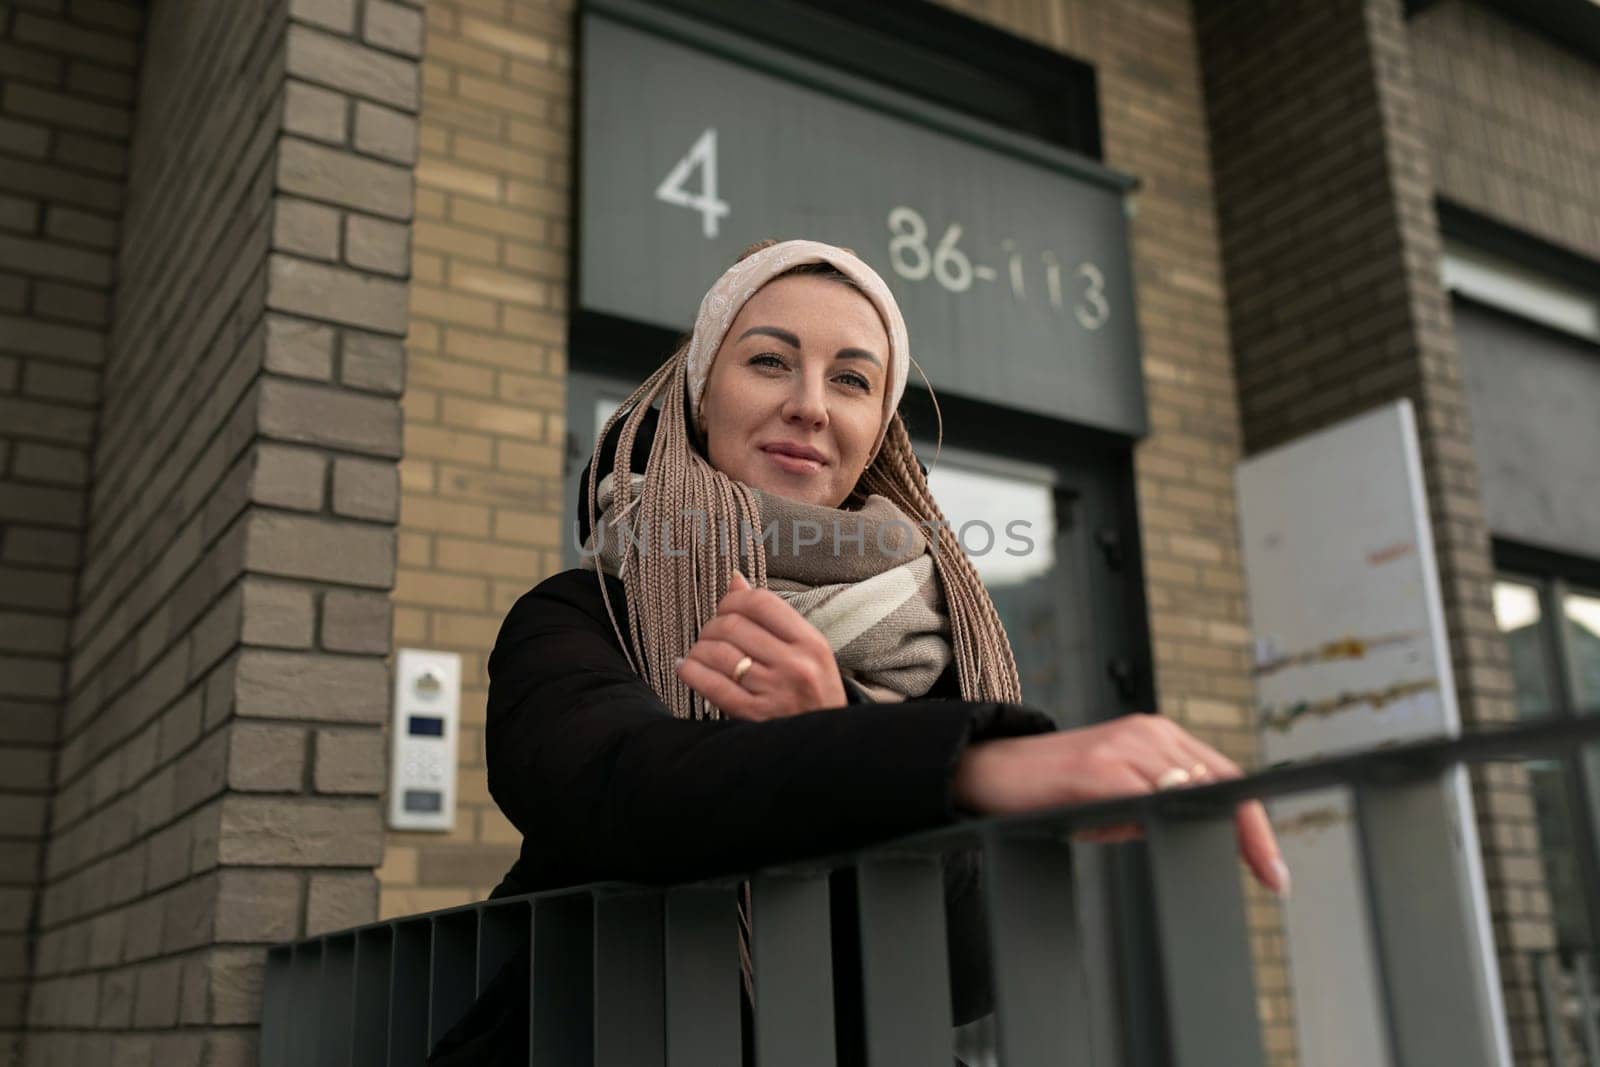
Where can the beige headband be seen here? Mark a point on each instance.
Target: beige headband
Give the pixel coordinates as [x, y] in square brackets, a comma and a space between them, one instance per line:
[741, 281]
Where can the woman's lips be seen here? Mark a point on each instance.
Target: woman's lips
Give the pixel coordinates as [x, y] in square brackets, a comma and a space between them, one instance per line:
[791, 463]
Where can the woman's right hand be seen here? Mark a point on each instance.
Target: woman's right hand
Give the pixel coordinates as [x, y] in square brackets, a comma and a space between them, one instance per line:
[1122, 757]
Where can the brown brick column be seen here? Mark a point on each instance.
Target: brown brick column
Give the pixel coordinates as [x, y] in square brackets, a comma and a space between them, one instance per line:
[220, 752]
[1332, 251]
[66, 99]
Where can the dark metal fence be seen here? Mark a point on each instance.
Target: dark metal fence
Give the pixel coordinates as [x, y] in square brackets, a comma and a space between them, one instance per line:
[624, 974]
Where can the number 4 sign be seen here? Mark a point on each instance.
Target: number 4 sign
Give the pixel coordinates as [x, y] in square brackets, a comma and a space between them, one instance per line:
[704, 156]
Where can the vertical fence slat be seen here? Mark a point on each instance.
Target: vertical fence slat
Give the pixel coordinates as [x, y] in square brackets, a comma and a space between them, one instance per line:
[1425, 928]
[337, 1001]
[702, 978]
[629, 995]
[1590, 1008]
[408, 993]
[305, 1012]
[1549, 985]
[905, 964]
[1205, 942]
[561, 1015]
[277, 1007]
[374, 956]
[453, 978]
[792, 953]
[1041, 997]
[502, 929]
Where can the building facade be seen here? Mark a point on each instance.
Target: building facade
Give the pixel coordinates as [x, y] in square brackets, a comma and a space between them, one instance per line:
[298, 362]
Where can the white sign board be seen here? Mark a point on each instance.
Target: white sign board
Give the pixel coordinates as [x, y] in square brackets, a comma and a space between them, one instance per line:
[1350, 653]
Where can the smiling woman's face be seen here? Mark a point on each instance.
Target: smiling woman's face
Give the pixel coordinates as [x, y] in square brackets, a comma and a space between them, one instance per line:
[795, 396]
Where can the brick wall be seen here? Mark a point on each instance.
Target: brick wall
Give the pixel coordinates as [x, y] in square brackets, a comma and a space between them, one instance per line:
[1512, 131]
[220, 749]
[1325, 194]
[66, 96]
[1511, 122]
[485, 403]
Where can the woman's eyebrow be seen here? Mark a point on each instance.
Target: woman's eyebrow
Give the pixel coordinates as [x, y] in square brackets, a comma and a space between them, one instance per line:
[794, 342]
[772, 331]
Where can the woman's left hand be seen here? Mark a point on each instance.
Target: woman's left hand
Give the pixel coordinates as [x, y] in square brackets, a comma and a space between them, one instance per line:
[792, 669]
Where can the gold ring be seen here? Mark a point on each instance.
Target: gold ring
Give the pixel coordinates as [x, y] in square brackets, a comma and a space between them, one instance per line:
[1172, 776]
[742, 668]
[1200, 770]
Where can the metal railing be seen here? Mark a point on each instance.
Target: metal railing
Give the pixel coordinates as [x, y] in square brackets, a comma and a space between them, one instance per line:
[626, 974]
[1569, 1007]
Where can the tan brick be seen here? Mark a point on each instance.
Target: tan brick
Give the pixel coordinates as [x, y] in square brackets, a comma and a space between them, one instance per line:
[444, 516]
[411, 626]
[415, 549]
[418, 476]
[438, 174]
[522, 458]
[493, 418]
[393, 903]
[451, 375]
[498, 157]
[530, 259]
[447, 306]
[461, 630]
[528, 527]
[537, 324]
[399, 866]
[504, 222]
[484, 557]
[443, 443]
[440, 590]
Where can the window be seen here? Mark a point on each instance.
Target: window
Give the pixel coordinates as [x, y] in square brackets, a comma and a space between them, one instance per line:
[1552, 631]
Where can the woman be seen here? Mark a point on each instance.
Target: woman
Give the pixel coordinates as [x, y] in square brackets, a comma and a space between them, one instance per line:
[657, 717]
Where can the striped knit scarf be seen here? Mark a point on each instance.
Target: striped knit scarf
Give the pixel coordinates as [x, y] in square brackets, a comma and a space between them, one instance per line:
[864, 578]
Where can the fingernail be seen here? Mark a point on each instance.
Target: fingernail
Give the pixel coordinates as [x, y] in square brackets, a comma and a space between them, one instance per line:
[1282, 871]
[677, 663]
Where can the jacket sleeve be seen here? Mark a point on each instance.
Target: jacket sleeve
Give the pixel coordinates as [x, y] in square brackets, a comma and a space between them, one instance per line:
[605, 784]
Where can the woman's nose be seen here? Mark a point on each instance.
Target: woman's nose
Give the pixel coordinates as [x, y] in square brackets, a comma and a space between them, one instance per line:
[807, 402]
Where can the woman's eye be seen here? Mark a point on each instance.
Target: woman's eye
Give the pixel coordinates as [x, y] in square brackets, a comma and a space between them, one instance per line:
[856, 380]
[766, 359]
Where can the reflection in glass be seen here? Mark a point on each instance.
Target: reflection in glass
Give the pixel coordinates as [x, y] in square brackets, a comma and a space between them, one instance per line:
[1007, 525]
[1582, 619]
[1517, 612]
